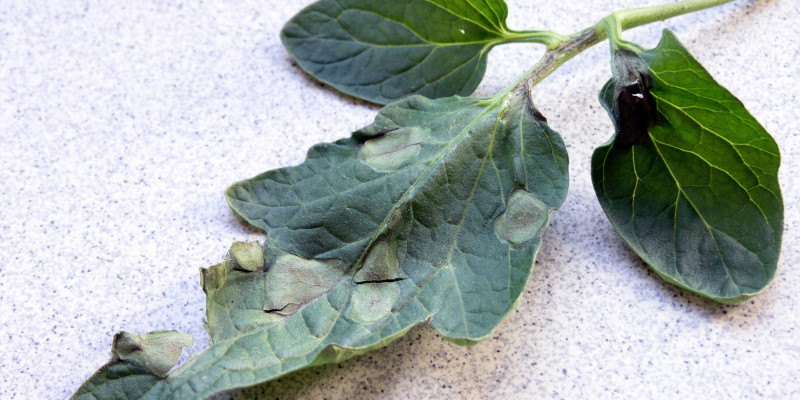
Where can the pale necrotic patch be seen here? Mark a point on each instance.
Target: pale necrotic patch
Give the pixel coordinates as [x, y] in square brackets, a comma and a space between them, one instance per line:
[381, 262]
[373, 301]
[157, 352]
[214, 277]
[247, 256]
[525, 216]
[293, 282]
[390, 150]
[377, 282]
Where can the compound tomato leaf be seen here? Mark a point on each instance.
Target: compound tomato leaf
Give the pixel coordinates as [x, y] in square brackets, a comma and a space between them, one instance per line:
[382, 51]
[433, 213]
[690, 180]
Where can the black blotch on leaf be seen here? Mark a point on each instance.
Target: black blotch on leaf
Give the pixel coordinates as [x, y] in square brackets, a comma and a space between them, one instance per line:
[634, 106]
[276, 310]
[536, 114]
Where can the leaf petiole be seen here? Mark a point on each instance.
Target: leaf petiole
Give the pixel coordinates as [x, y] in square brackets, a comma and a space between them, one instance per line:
[548, 38]
[561, 49]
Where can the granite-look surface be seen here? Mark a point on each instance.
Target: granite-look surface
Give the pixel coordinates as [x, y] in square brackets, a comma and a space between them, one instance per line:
[121, 123]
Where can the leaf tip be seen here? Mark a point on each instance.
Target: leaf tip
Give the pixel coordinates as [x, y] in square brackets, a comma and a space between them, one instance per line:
[157, 352]
[247, 256]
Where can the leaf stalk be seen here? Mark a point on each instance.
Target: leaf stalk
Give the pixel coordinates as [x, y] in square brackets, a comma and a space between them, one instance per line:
[561, 49]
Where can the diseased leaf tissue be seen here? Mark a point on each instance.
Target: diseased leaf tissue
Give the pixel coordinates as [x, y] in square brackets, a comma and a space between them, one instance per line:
[434, 212]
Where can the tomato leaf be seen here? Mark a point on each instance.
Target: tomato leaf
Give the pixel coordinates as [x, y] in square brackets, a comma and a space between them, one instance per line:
[690, 180]
[382, 51]
[433, 213]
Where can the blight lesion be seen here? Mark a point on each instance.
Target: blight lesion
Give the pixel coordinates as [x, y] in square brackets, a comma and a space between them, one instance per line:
[524, 218]
[390, 150]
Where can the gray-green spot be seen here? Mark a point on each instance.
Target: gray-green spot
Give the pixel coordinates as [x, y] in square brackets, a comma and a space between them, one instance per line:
[373, 301]
[390, 150]
[525, 216]
[157, 352]
[292, 282]
[247, 256]
[376, 290]
[380, 263]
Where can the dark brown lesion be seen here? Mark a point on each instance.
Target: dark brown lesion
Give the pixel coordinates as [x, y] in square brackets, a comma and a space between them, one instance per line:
[536, 114]
[634, 106]
[276, 310]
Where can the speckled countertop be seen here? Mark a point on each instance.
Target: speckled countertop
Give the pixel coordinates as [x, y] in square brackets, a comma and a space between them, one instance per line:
[121, 123]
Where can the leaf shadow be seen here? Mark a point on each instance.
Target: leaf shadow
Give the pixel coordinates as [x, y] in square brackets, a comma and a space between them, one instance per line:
[736, 18]
[367, 376]
[311, 82]
[682, 298]
[241, 225]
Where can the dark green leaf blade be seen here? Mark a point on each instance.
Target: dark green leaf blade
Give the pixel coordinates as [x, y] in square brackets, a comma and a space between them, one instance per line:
[382, 51]
[699, 199]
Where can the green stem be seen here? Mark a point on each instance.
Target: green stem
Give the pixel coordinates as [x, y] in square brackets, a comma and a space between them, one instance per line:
[561, 49]
[550, 39]
[633, 17]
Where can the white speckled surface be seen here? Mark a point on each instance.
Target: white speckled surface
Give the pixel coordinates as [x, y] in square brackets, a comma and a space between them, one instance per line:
[121, 123]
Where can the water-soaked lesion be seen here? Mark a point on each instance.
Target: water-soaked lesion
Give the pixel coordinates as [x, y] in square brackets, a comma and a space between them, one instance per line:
[292, 282]
[389, 150]
[523, 219]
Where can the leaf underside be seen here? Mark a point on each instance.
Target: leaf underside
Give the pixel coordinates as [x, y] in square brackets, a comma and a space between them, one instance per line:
[698, 200]
[433, 213]
[381, 51]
